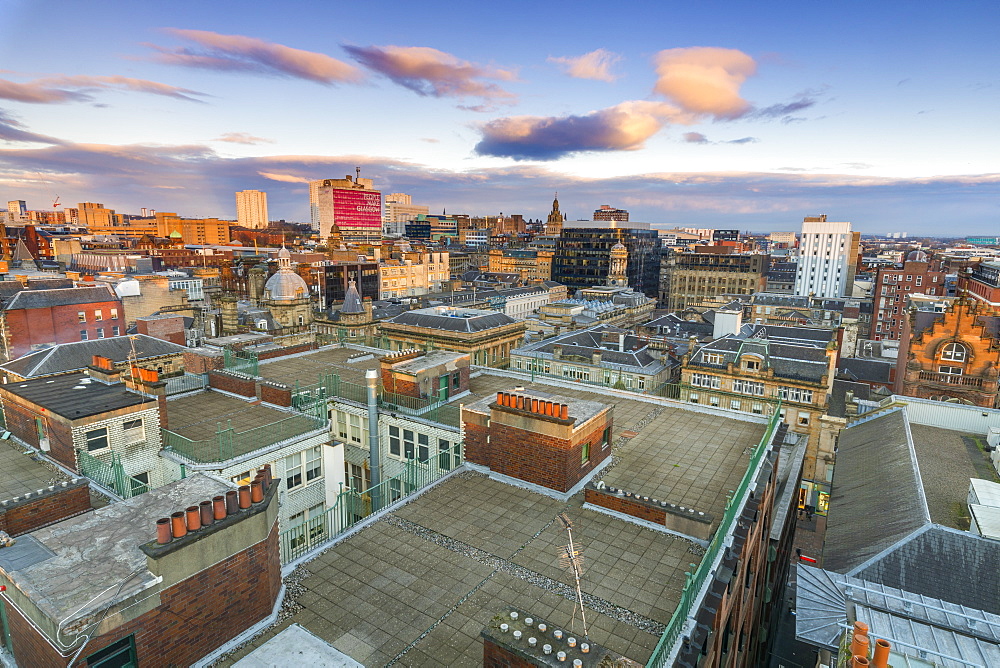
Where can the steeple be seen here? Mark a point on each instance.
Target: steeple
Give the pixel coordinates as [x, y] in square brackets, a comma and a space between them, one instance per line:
[554, 223]
[617, 274]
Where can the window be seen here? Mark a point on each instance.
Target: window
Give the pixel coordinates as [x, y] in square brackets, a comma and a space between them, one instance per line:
[713, 400]
[950, 370]
[395, 447]
[357, 477]
[444, 455]
[712, 358]
[408, 444]
[97, 439]
[81, 316]
[456, 379]
[803, 419]
[355, 427]
[118, 654]
[342, 425]
[795, 394]
[100, 332]
[606, 438]
[133, 431]
[748, 387]
[706, 380]
[314, 463]
[116, 331]
[757, 409]
[693, 397]
[242, 478]
[114, 314]
[735, 404]
[920, 280]
[955, 352]
[423, 448]
[317, 523]
[98, 315]
[293, 471]
[751, 365]
[83, 335]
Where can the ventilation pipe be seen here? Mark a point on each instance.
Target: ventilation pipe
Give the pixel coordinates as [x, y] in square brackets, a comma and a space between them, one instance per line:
[371, 380]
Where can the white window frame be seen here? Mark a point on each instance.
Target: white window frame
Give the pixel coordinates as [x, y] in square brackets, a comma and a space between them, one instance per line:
[94, 438]
[134, 431]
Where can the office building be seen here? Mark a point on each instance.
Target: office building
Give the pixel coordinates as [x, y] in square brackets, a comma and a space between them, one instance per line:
[583, 254]
[828, 258]
[17, 211]
[528, 264]
[691, 278]
[399, 210]
[95, 215]
[893, 284]
[352, 204]
[608, 212]
[251, 209]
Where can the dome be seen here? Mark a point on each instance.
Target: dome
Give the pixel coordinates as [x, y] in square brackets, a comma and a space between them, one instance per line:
[619, 247]
[917, 256]
[286, 285]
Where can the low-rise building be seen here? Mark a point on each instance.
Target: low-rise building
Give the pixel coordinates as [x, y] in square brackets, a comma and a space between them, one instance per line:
[487, 336]
[413, 274]
[145, 352]
[689, 278]
[530, 264]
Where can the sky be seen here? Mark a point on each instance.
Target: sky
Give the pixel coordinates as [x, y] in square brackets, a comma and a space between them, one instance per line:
[707, 114]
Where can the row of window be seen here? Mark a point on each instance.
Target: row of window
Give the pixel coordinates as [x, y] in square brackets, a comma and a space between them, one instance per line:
[98, 315]
[133, 431]
[754, 388]
[405, 444]
[115, 331]
[754, 407]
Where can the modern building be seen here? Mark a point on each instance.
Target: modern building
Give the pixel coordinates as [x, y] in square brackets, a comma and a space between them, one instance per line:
[336, 278]
[399, 210]
[828, 258]
[94, 216]
[487, 336]
[691, 278]
[583, 254]
[17, 211]
[608, 212]
[352, 204]
[951, 355]
[783, 239]
[894, 284]
[251, 209]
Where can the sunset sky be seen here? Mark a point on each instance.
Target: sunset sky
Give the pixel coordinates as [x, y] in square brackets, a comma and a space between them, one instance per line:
[713, 114]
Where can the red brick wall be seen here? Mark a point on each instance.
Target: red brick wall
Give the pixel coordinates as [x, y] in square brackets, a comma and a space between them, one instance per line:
[197, 363]
[276, 395]
[50, 507]
[476, 450]
[221, 380]
[495, 656]
[21, 422]
[195, 616]
[165, 329]
[399, 384]
[289, 350]
[626, 506]
[58, 324]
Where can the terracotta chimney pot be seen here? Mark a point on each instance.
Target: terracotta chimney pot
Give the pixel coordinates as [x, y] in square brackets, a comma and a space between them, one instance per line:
[564, 412]
[859, 646]
[244, 497]
[163, 530]
[861, 628]
[207, 516]
[219, 507]
[177, 526]
[860, 662]
[881, 658]
[232, 502]
[257, 491]
[534, 405]
[500, 398]
[193, 518]
[520, 402]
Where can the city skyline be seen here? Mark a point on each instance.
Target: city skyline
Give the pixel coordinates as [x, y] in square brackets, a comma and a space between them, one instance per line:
[718, 116]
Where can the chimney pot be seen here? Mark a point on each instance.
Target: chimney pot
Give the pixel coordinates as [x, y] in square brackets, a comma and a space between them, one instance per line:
[219, 507]
[500, 398]
[881, 657]
[193, 518]
[859, 646]
[564, 412]
[257, 491]
[177, 526]
[520, 402]
[207, 516]
[163, 530]
[232, 502]
[534, 405]
[245, 497]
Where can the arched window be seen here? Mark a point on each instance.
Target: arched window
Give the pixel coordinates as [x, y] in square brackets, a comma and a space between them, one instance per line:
[954, 352]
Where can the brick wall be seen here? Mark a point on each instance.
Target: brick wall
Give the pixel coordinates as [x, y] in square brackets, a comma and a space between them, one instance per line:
[495, 656]
[399, 384]
[21, 422]
[287, 350]
[195, 616]
[165, 329]
[227, 382]
[59, 324]
[625, 505]
[54, 504]
[195, 362]
[279, 395]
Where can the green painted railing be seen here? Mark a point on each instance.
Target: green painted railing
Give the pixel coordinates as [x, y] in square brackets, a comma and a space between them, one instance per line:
[695, 581]
[240, 361]
[352, 507]
[110, 475]
[228, 443]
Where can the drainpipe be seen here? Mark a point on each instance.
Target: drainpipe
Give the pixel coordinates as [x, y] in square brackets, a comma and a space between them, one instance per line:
[371, 379]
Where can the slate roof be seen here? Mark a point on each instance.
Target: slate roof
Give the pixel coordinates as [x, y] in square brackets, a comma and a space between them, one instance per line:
[453, 319]
[795, 353]
[586, 342]
[675, 326]
[837, 406]
[877, 496]
[78, 355]
[859, 368]
[76, 395]
[955, 566]
[29, 299]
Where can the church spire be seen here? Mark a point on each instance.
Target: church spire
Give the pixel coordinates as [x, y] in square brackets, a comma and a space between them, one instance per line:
[553, 225]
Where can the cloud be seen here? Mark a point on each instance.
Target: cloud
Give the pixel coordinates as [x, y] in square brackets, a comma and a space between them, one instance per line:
[742, 140]
[594, 65]
[430, 140]
[285, 178]
[623, 127]
[695, 138]
[78, 88]
[12, 130]
[242, 138]
[783, 110]
[249, 54]
[433, 73]
[705, 80]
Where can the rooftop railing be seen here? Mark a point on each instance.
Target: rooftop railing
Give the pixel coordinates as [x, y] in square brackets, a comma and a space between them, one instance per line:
[695, 582]
[110, 475]
[228, 443]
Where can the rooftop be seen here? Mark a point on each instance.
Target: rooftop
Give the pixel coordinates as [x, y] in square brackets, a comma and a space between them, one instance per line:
[79, 354]
[24, 471]
[76, 395]
[30, 299]
[455, 319]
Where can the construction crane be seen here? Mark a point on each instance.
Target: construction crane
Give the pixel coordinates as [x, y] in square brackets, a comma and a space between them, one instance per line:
[56, 203]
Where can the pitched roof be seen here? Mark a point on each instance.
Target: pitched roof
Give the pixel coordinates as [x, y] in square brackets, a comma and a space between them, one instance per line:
[29, 299]
[877, 496]
[859, 368]
[66, 357]
[453, 319]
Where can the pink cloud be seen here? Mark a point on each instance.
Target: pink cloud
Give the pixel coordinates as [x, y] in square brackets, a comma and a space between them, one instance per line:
[241, 53]
[284, 178]
[242, 138]
[434, 73]
[705, 80]
[594, 65]
[77, 88]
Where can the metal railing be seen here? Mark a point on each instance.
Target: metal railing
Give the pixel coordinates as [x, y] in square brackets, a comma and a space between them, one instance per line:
[185, 383]
[694, 582]
[240, 361]
[110, 475]
[351, 506]
[228, 443]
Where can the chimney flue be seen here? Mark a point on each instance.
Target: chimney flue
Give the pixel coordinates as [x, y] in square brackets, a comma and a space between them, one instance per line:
[163, 530]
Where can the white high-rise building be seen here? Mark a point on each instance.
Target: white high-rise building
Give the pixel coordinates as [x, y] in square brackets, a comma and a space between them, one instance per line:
[828, 256]
[17, 211]
[399, 210]
[251, 209]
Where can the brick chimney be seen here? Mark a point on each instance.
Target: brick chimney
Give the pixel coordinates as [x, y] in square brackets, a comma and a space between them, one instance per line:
[103, 369]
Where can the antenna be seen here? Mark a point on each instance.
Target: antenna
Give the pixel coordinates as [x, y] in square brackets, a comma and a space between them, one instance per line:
[571, 557]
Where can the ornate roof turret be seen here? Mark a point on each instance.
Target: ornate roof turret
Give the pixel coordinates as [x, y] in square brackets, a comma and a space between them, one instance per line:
[352, 300]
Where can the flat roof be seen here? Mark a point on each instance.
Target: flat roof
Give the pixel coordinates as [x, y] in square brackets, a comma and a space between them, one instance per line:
[24, 471]
[76, 395]
[84, 559]
[307, 368]
[199, 416]
[419, 584]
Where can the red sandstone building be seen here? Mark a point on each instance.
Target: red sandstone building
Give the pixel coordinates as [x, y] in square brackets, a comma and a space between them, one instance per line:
[918, 275]
[36, 318]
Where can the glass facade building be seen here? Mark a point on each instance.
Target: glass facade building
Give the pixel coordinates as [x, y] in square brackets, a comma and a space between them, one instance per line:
[583, 257]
